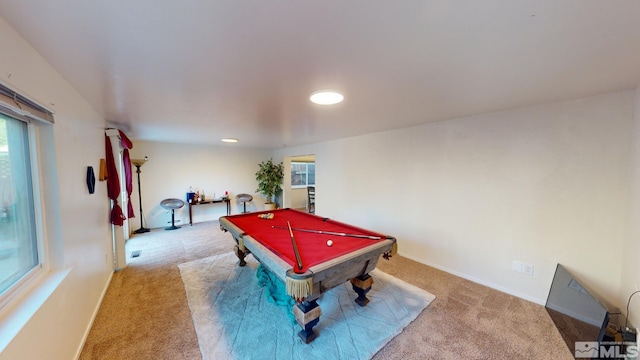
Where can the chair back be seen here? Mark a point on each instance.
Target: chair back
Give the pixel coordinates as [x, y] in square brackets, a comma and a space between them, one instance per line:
[311, 199]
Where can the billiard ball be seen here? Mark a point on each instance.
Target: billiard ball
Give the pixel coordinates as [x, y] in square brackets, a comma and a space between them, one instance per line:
[329, 242]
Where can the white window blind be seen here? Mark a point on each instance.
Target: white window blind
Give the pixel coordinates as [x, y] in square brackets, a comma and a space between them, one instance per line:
[20, 107]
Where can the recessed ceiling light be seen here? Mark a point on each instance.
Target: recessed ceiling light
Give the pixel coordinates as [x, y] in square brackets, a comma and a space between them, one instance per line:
[230, 140]
[326, 97]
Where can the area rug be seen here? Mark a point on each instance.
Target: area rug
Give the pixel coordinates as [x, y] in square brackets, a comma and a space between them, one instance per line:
[234, 319]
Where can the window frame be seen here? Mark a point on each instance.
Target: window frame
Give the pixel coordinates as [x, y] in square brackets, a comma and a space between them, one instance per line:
[24, 284]
[306, 163]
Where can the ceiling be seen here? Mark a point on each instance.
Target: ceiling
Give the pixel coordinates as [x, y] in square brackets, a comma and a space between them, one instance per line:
[198, 71]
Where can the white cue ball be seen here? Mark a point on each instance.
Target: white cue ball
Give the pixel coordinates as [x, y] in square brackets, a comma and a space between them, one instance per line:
[329, 242]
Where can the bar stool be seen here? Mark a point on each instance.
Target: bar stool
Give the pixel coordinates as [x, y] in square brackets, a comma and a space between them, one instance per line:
[244, 199]
[172, 204]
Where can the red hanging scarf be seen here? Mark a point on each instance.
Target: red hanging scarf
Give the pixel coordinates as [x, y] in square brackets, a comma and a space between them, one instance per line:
[113, 185]
[127, 144]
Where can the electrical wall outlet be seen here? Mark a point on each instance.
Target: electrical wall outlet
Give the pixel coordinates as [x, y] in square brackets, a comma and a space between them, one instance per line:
[521, 267]
[527, 269]
[516, 266]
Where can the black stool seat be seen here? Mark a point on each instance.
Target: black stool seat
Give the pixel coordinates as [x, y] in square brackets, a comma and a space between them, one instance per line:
[172, 204]
[244, 199]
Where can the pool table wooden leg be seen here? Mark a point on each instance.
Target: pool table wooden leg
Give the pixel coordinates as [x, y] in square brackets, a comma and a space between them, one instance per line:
[361, 285]
[240, 254]
[307, 315]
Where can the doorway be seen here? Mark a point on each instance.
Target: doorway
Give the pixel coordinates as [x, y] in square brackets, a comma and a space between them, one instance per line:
[299, 172]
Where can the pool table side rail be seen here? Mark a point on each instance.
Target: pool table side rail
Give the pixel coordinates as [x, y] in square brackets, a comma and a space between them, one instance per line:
[237, 233]
[326, 275]
[270, 262]
[335, 272]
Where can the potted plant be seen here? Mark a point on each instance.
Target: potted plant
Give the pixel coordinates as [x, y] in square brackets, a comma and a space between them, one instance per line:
[270, 176]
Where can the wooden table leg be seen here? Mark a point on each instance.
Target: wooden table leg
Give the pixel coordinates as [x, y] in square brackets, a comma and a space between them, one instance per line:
[241, 255]
[361, 285]
[307, 315]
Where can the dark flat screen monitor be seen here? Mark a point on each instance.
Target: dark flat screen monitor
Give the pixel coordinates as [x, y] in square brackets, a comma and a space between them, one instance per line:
[577, 313]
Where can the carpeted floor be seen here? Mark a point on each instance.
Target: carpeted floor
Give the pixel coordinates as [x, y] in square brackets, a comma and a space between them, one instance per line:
[145, 314]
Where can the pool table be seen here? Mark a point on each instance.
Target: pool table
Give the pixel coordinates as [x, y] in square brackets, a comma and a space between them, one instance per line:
[310, 254]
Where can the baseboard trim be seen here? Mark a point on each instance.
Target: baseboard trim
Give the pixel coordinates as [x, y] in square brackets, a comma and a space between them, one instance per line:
[476, 280]
[93, 316]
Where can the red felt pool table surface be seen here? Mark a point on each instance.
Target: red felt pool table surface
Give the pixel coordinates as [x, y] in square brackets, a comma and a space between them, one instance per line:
[313, 249]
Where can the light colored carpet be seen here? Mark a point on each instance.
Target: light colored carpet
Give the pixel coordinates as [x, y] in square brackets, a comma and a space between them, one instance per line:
[234, 320]
[145, 313]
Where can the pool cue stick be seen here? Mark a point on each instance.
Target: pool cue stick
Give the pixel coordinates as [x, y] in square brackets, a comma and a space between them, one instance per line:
[295, 247]
[331, 233]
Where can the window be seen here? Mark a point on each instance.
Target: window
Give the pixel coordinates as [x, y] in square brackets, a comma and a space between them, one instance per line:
[18, 236]
[303, 174]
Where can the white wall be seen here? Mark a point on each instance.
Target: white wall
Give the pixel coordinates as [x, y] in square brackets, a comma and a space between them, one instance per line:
[77, 222]
[173, 168]
[541, 185]
[631, 248]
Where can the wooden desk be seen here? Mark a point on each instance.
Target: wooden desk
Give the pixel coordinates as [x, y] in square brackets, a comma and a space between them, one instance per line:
[214, 201]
